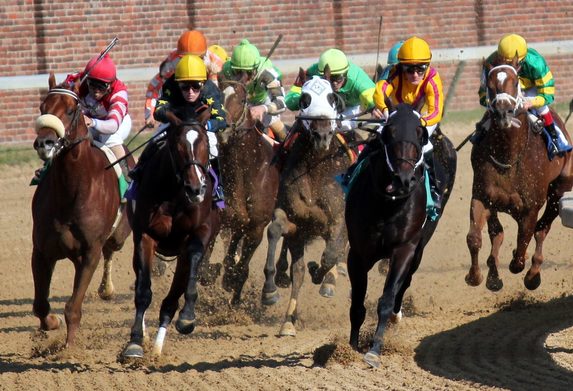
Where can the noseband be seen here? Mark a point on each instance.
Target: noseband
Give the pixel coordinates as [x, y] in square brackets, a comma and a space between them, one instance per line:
[180, 170]
[515, 101]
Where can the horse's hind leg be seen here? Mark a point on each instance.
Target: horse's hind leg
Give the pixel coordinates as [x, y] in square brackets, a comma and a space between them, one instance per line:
[495, 231]
[251, 241]
[209, 272]
[282, 278]
[358, 275]
[478, 216]
[333, 253]
[296, 247]
[229, 277]
[106, 288]
[42, 270]
[526, 228]
[186, 321]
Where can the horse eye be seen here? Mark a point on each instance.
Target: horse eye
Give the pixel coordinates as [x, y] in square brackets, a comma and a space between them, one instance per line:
[305, 100]
[331, 99]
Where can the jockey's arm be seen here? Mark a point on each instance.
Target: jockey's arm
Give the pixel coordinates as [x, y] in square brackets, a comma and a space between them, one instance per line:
[217, 121]
[117, 111]
[434, 101]
[166, 70]
[382, 89]
[269, 79]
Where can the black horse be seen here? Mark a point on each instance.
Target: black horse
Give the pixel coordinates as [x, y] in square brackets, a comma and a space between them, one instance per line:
[386, 216]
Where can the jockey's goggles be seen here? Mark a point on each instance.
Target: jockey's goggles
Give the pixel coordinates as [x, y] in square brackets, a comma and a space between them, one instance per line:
[194, 85]
[415, 68]
[97, 85]
[340, 78]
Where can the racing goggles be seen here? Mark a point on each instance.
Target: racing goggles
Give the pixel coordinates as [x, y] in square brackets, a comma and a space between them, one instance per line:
[415, 68]
[194, 85]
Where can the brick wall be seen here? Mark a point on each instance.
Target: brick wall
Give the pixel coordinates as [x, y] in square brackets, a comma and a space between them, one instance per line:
[55, 35]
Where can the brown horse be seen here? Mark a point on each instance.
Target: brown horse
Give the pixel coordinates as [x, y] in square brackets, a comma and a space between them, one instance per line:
[251, 180]
[513, 174]
[172, 214]
[75, 207]
[310, 202]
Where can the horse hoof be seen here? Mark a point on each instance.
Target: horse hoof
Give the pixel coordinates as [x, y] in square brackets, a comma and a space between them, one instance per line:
[494, 284]
[184, 326]
[312, 270]
[516, 267]
[282, 280]
[51, 322]
[228, 281]
[327, 290]
[372, 359]
[396, 318]
[288, 330]
[474, 279]
[105, 292]
[133, 350]
[270, 298]
[532, 283]
[342, 269]
[383, 266]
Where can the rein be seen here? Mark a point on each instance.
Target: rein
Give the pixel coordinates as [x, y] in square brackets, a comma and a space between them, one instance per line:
[507, 166]
[242, 118]
[516, 101]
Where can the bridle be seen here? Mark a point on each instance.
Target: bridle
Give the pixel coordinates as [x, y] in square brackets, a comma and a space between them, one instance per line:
[515, 101]
[243, 117]
[179, 169]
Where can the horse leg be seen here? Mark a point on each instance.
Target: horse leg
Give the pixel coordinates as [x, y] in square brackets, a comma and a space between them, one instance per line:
[296, 247]
[143, 254]
[478, 216]
[186, 321]
[42, 270]
[251, 241]
[209, 272]
[229, 278]
[333, 252]
[106, 289]
[495, 231]
[277, 228]
[400, 266]
[85, 267]
[526, 228]
[358, 275]
[282, 278]
[170, 303]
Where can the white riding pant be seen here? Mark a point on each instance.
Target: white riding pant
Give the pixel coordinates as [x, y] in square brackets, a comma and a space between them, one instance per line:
[117, 138]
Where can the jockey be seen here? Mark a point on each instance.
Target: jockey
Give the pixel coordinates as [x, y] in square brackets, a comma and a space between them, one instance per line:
[190, 42]
[347, 79]
[411, 81]
[187, 94]
[391, 61]
[263, 83]
[104, 102]
[536, 82]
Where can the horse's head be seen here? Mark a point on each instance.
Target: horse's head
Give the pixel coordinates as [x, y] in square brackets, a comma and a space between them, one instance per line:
[402, 139]
[59, 119]
[503, 92]
[189, 150]
[318, 108]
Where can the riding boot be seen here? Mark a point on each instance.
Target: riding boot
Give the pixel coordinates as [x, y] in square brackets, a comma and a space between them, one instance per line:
[434, 186]
[218, 194]
[280, 131]
[150, 149]
[557, 145]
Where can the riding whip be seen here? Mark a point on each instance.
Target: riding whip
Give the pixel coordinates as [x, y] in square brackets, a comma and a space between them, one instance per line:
[570, 110]
[138, 133]
[271, 51]
[377, 50]
[101, 56]
[464, 141]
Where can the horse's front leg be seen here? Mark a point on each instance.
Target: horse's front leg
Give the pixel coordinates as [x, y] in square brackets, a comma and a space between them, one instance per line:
[42, 270]
[478, 217]
[85, 267]
[143, 254]
[194, 254]
[229, 279]
[495, 231]
[296, 247]
[358, 275]
[526, 228]
[277, 228]
[106, 289]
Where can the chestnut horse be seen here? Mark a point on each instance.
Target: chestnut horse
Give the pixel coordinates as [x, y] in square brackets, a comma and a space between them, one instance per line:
[513, 174]
[76, 207]
[250, 176]
[386, 216]
[310, 202]
[172, 214]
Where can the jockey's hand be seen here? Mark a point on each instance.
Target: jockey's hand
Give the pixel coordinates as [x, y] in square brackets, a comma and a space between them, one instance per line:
[89, 122]
[527, 104]
[150, 121]
[173, 119]
[380, 114]
[257, 112]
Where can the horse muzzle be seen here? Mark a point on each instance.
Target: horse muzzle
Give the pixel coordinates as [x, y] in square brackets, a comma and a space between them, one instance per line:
[402, 184]
[45, 147]
[321, 140]
[195, 194]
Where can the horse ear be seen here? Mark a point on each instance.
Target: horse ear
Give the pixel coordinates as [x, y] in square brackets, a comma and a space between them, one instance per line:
[301, 78]
[425, 135]
[389, 103]
[486, 65]
[304, 102]
[379, 72]
[51, 80]
[327, 72]
[515, 61]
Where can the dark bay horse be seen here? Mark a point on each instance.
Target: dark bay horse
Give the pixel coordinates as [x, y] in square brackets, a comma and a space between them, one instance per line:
[76, 208]
[172, 214]
[251, 181]
[386, 216]
[513, 174]
[310, 202]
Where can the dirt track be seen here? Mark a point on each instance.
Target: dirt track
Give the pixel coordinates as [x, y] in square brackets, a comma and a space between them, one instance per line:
[452, 336]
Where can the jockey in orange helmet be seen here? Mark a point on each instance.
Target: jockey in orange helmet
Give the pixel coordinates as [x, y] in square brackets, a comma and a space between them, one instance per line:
[190, 42]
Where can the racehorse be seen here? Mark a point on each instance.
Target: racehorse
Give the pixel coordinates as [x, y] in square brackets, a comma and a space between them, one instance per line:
[386, 216]
[76, 207]
[172, 214]
[251, 179]
[513, 174]
[310, 202]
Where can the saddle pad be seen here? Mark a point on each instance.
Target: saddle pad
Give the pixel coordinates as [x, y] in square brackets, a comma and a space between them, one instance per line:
[122, 182]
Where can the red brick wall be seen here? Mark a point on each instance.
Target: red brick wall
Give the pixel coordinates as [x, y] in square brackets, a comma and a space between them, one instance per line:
[55, 35]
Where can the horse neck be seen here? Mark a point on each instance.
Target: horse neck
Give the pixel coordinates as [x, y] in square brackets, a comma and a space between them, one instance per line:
[510, 142]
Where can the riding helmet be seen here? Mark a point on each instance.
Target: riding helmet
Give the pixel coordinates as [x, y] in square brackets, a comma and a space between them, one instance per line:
[219, 52]
[336, 61]
[414, 51]
[190, 67]
[510, 45]
[245, 56]
[103, 70]
[192, 42]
